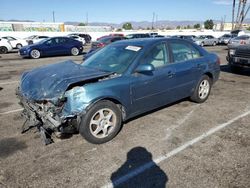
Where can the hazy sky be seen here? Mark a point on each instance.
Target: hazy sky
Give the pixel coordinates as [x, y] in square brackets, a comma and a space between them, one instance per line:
[114, 11]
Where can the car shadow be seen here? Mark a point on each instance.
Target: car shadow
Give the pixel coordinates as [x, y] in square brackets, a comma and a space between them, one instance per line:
[157, 109]
[242, 71]
[139, 170]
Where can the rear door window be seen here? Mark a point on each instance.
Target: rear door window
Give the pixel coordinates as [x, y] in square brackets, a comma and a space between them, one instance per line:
[183, 52]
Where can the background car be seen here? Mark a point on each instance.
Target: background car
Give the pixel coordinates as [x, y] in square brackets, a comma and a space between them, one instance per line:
[138, 35]
[5, 46]
[16, 42]
[224, 39]
[76, 37]
[35, 38]
[120, 81]
[186, 37]
[86, 37]
[112, 34]
[206, 40]
[239, 57]
[238, 41]
[51, 47]
[103, 41]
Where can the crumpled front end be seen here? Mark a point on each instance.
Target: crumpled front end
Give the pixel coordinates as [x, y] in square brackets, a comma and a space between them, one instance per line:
[46, 116]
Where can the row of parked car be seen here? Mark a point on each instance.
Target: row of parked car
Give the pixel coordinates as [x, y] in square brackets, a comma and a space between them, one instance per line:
[8, 43]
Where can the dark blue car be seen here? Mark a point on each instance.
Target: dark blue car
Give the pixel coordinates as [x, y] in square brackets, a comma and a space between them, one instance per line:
[118, 82]
[52, 47]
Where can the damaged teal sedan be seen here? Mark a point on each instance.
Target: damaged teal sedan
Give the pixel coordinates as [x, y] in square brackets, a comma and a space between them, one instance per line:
[120, 81]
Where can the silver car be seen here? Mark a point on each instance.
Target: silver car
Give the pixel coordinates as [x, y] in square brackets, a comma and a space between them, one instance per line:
[206, 40]
[238, 41]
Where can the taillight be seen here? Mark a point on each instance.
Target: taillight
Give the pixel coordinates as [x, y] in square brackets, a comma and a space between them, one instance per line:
[218, 61]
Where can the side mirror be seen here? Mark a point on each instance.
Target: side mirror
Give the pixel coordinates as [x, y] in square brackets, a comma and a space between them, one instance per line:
[145, 68]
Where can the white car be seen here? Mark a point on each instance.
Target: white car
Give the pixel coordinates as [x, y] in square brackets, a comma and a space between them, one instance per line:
[16, 42]
[35, 38]
[5, 46]
[81, 39]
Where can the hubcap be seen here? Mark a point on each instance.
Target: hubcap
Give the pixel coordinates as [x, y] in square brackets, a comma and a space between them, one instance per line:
[35, 54]
[204, 89]
[102, 123]
[75, 51]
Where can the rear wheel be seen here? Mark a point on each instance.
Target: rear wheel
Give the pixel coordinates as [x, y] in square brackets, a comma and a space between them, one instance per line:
[235, 69]
[3, 50]
[202, 90]
[35, 54]
[75, 51]
[101, 123]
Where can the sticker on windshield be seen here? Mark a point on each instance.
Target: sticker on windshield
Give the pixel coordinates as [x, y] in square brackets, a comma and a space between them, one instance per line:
[133, 48]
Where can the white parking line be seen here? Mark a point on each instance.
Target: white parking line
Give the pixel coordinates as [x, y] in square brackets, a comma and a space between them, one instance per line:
[11, 111]
[162, 158]
[6, 83]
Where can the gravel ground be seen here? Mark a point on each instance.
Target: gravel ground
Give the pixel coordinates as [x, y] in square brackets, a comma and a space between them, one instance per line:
[154, 140]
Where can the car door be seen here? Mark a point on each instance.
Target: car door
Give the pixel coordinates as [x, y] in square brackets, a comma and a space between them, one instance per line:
[150, 89]
[55, 46]
[187, 63]
[48, 47]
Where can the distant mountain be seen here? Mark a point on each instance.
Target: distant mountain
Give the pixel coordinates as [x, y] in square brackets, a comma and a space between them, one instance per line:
[143, 24]
[137, 25]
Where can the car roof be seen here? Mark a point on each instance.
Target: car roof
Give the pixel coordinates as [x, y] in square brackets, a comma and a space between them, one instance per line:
[145, 42]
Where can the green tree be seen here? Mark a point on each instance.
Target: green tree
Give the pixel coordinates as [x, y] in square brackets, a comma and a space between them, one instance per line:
[178, 27]
[188, 27]
[197, 26]
[127, 26]
[81, 24]
[209, 24]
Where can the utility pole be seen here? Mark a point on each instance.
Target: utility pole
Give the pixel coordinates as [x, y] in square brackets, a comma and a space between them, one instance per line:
[87, 18]
[53, 13]
[233, 14]
[153, 20]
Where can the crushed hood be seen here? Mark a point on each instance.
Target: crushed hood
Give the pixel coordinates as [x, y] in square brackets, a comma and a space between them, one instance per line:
[50, 82]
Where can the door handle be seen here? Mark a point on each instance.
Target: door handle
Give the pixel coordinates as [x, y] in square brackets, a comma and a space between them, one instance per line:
[170, 74]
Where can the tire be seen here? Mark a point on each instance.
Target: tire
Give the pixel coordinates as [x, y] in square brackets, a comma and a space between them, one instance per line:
[202, 90]
[74, 51]
[214, 44]
[35, 54]
[235, 69]
[18, 46]
[101, 123]
[3, 50]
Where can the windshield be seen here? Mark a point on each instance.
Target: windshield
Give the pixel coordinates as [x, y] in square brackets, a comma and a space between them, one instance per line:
[105, 40]
[113, 58]
[201, 37]
[242, 37]
[43, 41]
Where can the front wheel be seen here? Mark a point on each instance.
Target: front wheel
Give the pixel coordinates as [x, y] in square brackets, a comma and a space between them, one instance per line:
[3, 50]
[101, 123]
[202, 90]
[35, 54]
[75, 51]
[18, 46]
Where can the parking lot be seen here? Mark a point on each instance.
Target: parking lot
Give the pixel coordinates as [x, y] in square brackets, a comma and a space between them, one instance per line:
[182, 145]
